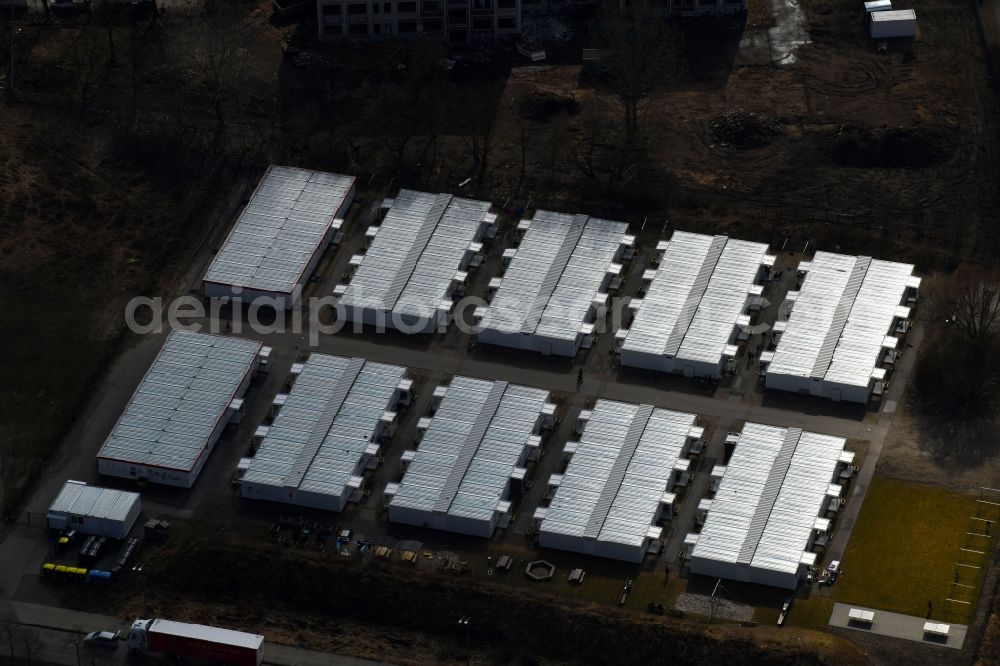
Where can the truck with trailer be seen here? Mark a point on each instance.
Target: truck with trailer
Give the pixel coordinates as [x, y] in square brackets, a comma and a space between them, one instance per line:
[196, 641]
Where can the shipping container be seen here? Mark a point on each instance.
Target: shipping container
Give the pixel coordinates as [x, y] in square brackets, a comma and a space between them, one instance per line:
[896, 23]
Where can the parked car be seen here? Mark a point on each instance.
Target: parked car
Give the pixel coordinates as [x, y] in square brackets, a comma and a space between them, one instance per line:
[107, 639]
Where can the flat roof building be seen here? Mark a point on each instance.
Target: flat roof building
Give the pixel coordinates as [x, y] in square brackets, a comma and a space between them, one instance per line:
[695, 304]
[416, 260]
[618, 484]
[91, 510]
[471, 457]
[839, 338]
[770, 506]
[327, 432]
[191, 391]
[556, 283]
[278, 239]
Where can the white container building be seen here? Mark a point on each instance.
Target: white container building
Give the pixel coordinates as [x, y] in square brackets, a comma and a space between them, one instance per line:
[470, 454]
[91, 510]
[839, 334]
[696, 305]
[770, 506]
[280, 236]
[194, 387]
[556, 282]
[416, 260]
[327, 431]
[619, 482]
[894, 23]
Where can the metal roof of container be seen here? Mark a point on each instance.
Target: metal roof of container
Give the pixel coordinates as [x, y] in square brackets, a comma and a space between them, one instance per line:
[471, 447]
[78, 499]
[442, 257]
[415, 253]
[696, 296]
[279, 231]
[616, 479]
[840, 318]
[184, 395]
[555, 275]
[773, 490]
[202, 632]
[325, 424]
[870, 321]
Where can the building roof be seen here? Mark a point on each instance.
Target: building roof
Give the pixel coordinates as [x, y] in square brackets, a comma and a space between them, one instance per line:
[770, 496]
[78, 499]
[415, 254]
[840, 318]
[186, 392]
[616, 479]
[696, 296]
[325, 425]
[202, 632]
[474, 441]
[555, 275]
[279, 231]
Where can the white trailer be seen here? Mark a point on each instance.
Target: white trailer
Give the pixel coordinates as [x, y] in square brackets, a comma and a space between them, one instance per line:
[873, 6]
[896, 23]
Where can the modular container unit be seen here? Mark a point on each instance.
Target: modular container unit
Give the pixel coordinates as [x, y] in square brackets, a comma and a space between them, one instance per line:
[696, 305]
[328, 431]
[470, 454]
[416, 262]
[770, 506]
[556, 284]
[840, 326]
[191, 391]
[895, 23]
[618, 482]
[91, 510]
[280, 236]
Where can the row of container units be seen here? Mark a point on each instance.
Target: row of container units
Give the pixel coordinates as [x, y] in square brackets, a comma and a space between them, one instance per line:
[281, 234]
[697, 305]
[839, 333]
[770, 506]
[555, 283]
[415, 262]
[191, 392]
[471, 457]
[616, 488]
[325, 432]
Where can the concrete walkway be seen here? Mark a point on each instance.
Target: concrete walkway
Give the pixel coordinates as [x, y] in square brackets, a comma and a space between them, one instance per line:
[896, 625]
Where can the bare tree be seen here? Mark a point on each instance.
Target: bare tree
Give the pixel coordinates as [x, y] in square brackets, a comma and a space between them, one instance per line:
[75, 640]
[218, 55]
[640, 49]
[11, 633]
[31, 644]
[960, 369]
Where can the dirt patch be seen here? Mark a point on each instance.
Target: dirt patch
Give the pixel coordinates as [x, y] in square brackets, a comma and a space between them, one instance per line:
[892, 148]
[743, 129]
[272, 581]
[544, 105]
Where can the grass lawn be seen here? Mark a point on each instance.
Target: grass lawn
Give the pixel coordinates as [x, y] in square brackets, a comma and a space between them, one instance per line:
[903, 550]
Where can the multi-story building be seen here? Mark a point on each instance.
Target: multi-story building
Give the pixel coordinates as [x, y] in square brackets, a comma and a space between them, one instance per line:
[454, 21]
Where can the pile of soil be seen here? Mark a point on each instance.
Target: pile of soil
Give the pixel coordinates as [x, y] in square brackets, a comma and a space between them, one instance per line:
[542, 106]
[890, 148]
[742, 129]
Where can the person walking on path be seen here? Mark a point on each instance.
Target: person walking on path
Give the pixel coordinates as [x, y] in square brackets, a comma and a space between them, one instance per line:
[579, 379]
